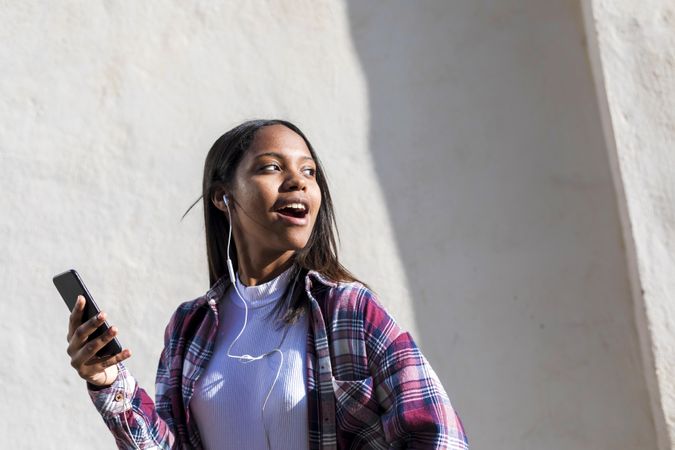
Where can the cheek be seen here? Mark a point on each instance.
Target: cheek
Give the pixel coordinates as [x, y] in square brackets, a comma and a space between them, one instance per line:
[317, 199]
[254, 200]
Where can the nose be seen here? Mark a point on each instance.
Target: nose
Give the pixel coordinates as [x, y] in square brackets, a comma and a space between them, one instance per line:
[295, 182]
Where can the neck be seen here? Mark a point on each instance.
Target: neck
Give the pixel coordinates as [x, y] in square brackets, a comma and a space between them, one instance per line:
[262, 267]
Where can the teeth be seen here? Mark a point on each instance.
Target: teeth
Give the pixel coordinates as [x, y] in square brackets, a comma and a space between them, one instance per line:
[294, 206]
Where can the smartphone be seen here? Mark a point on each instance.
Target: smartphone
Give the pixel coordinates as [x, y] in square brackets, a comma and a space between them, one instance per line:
[70, 285]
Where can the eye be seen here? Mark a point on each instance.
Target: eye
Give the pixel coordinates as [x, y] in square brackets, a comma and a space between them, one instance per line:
[266, 166]
[310, 171]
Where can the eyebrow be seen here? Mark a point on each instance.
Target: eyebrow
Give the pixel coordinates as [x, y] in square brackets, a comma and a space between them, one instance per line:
[280, 156]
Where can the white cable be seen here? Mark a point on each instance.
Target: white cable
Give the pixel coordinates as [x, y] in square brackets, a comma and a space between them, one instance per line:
[248, 358]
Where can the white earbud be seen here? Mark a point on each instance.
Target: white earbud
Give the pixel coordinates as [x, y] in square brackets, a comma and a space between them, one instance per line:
[230, 270]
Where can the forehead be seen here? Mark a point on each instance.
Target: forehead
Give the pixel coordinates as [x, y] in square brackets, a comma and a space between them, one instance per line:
[279, 139]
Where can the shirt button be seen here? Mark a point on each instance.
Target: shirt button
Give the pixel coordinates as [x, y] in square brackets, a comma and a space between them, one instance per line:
[119, 397]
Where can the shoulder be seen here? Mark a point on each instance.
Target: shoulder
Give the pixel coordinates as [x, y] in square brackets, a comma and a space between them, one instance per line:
[352, 304]
[355, 296]
[344, 296]
[186, 319]
[187, 308]
[195, 309]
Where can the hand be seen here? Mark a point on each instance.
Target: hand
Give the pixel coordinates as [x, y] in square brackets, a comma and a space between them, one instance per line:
[98, 371]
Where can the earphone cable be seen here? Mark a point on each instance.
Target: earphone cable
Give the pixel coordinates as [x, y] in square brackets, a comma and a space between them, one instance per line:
[249, 358]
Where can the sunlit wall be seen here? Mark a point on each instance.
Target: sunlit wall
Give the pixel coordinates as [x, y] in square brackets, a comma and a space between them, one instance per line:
[465, 154]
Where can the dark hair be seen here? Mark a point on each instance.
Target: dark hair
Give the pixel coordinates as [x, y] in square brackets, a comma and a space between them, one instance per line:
[320, 253]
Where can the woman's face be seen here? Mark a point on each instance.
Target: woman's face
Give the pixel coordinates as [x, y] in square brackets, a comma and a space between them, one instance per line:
[275, 198]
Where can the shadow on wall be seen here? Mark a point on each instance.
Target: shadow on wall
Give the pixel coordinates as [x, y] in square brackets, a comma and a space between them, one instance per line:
[488, 145]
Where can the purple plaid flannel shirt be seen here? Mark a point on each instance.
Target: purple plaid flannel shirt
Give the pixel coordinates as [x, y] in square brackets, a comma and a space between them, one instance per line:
[368, 384]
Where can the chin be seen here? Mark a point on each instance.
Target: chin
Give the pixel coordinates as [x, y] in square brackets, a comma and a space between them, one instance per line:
[298, 246]
[296, 243]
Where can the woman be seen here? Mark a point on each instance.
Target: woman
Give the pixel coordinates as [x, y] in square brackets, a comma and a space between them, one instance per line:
[290, 352]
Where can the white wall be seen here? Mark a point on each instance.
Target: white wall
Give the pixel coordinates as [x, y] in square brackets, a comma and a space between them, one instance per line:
[107, 112]
[634, 67]
[489, 146]
[466, 157]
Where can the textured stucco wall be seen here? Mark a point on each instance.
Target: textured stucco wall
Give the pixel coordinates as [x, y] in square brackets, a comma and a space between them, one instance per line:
[489, 146]
[634, 65]
[107, 112]
[464, 149]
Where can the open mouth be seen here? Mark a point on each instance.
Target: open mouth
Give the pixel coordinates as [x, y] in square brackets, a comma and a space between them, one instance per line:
[292, 211]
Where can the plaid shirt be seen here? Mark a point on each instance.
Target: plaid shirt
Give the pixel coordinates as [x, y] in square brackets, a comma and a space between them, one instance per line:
[368, 384]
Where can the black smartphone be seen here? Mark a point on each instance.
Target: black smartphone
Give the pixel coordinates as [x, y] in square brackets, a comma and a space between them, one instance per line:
[70, 285]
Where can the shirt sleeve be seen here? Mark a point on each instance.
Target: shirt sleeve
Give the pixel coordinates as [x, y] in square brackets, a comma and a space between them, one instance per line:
[129, 412]
[417, 413]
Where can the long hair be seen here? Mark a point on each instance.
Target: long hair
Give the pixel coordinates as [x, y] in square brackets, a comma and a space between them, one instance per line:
[319, 254]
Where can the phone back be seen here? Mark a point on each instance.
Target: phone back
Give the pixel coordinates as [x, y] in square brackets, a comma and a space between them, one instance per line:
[70, 285]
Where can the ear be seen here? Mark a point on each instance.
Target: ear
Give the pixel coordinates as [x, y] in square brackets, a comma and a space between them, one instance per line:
[217, 200]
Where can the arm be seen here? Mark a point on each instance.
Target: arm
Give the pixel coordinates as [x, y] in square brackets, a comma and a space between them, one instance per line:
[417, 412]
[417, 409]
[124, 404]
[125, 407]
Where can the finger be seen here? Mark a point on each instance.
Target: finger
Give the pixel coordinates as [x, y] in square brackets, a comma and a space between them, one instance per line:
[88, 351]
[75, 316]
[108, 361]
[83, 331]
[96, 366]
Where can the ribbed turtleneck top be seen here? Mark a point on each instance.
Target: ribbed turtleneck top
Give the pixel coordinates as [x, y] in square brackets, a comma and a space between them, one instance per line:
[229, 395]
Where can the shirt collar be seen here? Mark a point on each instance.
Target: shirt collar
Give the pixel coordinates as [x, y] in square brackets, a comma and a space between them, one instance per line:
[220, 286]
